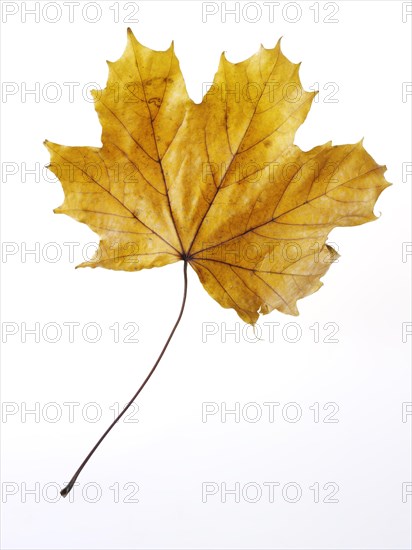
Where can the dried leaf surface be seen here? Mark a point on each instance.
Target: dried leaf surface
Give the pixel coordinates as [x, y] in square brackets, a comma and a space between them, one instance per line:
[219, 184]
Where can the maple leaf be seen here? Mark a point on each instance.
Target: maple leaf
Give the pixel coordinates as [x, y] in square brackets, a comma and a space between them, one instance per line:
[220, 184]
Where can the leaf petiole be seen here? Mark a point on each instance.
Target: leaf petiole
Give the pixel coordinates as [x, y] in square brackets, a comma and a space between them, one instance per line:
[66, 490]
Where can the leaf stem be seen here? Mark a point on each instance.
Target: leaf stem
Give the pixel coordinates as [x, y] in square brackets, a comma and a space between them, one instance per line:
[64, 492]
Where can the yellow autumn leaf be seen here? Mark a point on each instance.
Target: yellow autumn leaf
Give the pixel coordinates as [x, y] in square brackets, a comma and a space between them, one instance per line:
[219, 184]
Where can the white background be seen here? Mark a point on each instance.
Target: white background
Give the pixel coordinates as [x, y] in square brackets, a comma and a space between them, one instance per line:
[170, 452]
